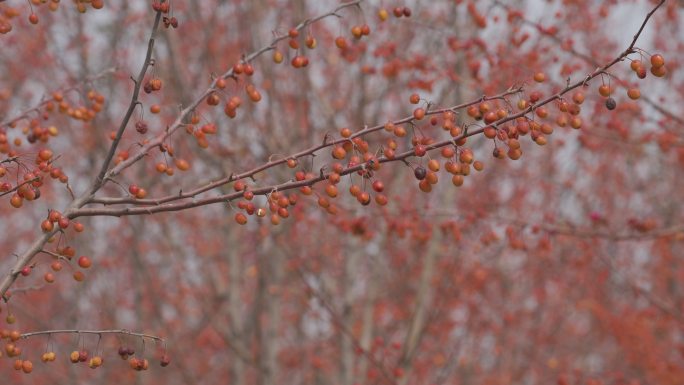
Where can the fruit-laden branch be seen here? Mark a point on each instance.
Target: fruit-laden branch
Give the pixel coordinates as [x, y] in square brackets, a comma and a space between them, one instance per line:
[25, 258]
[76, 209]
[97, 332]
[187, 111]
[589, 59]
[350, 169]
[36, 108]
[15, 188]
[308, 152]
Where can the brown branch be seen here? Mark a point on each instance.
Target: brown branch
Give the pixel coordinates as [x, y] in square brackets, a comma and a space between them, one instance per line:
[38, 244]
[131, 107]
[98, 332]
[272, 163]
[159, 207]
[17, 187]
[583, 233]
[25, 258]
[643, 25]
[178, 123]
[309, 182]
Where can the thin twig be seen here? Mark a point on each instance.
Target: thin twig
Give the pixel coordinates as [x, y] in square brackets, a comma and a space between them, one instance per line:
[36, 108]
[98, 332]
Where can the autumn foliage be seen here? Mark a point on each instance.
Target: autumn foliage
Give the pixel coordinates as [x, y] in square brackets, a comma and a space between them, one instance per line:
[323, 192]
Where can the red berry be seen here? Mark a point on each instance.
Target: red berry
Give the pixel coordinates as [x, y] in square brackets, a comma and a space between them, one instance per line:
[240, 218]
[84, 262]
[46, 226]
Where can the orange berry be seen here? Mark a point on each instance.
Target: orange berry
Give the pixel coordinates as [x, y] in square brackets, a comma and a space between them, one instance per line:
[578, 97]
[633, 93]
[182, 164]
[383, 14]
[277, 57]
[341, 42]
[49, 277]
[433, 165]
[657, 60]
[339, 152]
[79, 276]
[659, 71]
[356, 32]
[46, 226]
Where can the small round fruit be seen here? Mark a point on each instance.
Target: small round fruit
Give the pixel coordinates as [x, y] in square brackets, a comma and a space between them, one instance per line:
[539, 77]
[611, 104]
[433, 165]
[84, 262]
[182, 164]
[240, 218]
[165, 361]
[27, 366]
[420, 173]
[277, 57]
[341, 42]
[604, 90]
[633, 93]
[339, 152]
[578, 97]
[79, 276]
[657, 60]
[46, 226]
[383, 14]
[16, 201]
[659, 71]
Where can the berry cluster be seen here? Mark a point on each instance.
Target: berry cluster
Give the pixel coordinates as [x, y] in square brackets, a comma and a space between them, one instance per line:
[53, 5]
